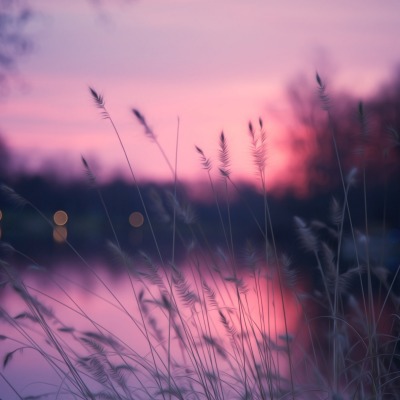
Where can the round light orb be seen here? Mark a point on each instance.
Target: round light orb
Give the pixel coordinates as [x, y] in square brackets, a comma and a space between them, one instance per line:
[60, 217]
[136, 219]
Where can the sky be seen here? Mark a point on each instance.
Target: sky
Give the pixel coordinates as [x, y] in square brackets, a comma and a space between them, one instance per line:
[212, 65]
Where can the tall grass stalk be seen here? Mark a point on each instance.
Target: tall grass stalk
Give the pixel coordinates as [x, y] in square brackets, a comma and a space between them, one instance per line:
[220, 327]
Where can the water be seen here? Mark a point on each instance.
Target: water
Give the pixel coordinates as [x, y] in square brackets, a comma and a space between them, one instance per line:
[199, 330]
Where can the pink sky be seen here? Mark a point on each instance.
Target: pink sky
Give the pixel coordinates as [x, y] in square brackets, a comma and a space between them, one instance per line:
[215, 64]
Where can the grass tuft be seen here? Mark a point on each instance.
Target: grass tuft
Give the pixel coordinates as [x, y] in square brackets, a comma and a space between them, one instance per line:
[232, 320]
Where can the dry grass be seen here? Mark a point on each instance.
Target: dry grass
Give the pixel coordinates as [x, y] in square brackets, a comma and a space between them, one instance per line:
[223, 326]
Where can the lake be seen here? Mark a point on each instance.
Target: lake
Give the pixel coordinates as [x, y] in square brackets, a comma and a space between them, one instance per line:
[208, 328]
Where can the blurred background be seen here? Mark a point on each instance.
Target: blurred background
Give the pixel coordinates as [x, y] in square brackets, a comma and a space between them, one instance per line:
[191, 70]
[215, 66]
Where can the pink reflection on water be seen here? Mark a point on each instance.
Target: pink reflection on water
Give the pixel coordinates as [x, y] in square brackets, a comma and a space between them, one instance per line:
[200, 328]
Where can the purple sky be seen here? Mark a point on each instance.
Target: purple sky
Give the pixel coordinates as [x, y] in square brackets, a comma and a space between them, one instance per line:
[215, 64]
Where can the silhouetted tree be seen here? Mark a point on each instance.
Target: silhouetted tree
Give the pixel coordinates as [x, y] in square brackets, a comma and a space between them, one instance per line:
[5, 159]
[366, 133]
[14, 39]
[14, 42]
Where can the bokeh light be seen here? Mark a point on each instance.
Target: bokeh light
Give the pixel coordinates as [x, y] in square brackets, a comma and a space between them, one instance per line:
[60, 218]
[136, 219]
[60, 234]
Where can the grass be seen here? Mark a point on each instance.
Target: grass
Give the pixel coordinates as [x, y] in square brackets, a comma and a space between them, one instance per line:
[224, 326]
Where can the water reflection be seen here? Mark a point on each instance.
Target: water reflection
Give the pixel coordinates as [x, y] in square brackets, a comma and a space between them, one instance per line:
[209, 327]
[151, 332]
[60, 234]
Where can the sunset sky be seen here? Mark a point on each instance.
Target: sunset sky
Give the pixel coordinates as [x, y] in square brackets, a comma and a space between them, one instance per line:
[215, 64]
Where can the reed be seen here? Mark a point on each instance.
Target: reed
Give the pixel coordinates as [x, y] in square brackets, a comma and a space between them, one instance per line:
[221, 327]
